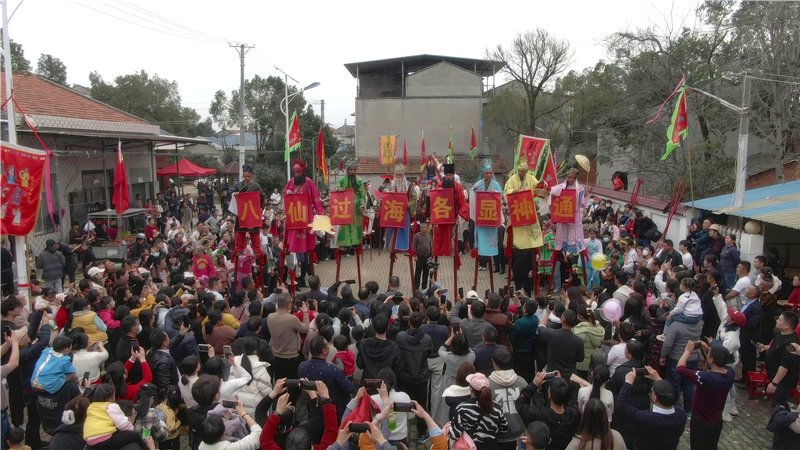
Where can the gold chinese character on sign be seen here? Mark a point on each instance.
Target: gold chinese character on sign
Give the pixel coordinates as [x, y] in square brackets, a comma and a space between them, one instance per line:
[296, 213]
[341, 208]
[440, 208]
[564, 207]
[249, 208]
[393, 211]
[487, 210]
[522, 208]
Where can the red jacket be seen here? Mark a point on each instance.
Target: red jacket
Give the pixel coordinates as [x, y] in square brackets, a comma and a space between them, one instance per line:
[328, 437]
[348, 360]
[133, 389]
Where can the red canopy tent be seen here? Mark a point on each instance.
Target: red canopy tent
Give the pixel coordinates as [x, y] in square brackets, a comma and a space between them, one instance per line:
[185, 168]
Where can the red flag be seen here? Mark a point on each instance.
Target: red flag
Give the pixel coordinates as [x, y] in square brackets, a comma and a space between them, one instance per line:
[322, 163]
[21, 183]
[405, 153]
[122, 196]
[473, 143]
[293, 139]
[341, 165]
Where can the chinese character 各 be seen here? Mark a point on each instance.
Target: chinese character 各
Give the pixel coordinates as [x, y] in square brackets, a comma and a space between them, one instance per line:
[440, 208]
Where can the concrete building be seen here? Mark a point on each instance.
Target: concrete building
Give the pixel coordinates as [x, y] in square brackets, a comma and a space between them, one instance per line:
[408, 95]
[346, 135]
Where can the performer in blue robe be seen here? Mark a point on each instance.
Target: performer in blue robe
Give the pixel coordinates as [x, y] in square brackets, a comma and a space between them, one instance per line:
[486, 238]
[399, 185]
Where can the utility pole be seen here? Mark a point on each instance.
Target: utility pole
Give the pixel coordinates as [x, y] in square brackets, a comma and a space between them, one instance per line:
[20, 246]
[744, 135]
[322, 111]
[242, 49]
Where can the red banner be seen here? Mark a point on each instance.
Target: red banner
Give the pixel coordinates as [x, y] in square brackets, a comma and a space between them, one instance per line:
[562, 207]
[22, 173]
[522, 209]
[393, 210]
[342, 207]
[443, 207]
[487, 213]
[248, 204]
[297, 211]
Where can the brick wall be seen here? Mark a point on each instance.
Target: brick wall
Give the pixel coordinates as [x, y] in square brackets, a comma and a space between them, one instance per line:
[791, 172]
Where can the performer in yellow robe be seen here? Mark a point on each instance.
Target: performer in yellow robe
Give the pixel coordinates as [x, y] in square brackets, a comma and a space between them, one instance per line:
[529, 236]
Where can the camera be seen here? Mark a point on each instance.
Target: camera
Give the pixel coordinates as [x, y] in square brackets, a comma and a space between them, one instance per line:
[229, 404]
[549, 375]
[359, 428]
[433, 264]
[402, 407]
[371, 383]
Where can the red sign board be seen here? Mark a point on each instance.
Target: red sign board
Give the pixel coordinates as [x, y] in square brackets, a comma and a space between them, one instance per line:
[522, 209]
[562, 207]
[22, 172]
[249, 206]
[342, 207]
[393, 210]
[487, 209]
[297, 209]
[443, 207]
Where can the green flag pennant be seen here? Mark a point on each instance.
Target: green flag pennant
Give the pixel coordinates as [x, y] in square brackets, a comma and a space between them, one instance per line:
[678, 127]
[293, 138]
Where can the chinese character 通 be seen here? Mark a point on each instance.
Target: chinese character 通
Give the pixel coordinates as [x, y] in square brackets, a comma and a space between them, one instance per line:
[564, 207]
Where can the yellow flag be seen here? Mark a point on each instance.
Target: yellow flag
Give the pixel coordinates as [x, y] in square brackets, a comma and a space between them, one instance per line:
[387, 149]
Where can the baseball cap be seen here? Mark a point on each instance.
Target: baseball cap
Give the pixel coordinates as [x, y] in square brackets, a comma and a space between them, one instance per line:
[737, 317]
[472, 295]
[94, 271]
[140, 236]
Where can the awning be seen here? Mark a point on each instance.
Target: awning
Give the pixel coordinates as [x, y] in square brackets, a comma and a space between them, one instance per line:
[158, 138]
[778, 204]
[230, 169]
[185, 168]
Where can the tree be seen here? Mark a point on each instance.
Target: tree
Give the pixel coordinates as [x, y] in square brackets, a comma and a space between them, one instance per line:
[769, 37]
[218, 110]
[53, 68]
[533, 61]
[18, 61]
[156, 100]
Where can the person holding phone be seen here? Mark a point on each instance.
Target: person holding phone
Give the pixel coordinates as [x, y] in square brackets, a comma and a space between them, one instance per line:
[214, 433]
[300, 434]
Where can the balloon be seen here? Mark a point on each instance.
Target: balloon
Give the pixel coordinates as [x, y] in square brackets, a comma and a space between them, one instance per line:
[612, 310]
[599, 261]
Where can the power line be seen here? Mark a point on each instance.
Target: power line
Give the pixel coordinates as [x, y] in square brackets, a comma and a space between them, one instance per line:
[197, 32]
[781, 76]
[142, 26]
[793, 83]
[146, 20]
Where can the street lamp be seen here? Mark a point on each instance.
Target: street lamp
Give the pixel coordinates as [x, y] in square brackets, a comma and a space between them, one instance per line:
[285, 110]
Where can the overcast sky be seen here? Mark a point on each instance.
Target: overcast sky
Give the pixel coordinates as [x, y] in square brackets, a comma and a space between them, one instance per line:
[311, 40]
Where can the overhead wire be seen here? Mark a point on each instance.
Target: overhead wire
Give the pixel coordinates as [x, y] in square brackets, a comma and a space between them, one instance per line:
[793, 83]
[163, 19]
[205, 39]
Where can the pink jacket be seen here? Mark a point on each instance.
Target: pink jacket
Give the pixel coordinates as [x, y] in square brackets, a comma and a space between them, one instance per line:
[107, 316]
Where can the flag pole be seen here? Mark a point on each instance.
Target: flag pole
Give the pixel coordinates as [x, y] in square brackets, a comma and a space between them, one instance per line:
[691, 179]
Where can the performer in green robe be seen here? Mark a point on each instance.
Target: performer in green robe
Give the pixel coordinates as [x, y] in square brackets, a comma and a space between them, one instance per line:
[350, 235]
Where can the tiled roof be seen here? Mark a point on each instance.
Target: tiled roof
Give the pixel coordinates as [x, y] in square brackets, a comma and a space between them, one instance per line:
[39, 96]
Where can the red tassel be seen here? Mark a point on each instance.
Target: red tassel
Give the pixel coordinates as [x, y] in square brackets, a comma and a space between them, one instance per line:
[458, 260]
[314, 258]
[474, 253]
[360, 250]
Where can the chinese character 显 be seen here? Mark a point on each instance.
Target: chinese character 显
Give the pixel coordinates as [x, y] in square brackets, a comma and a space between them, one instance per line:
[487, 210]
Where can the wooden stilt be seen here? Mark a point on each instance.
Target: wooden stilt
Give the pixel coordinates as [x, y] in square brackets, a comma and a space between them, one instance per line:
[359, 251]
[455, 266]
[436, 260]
[510, 245]
[491, 275]
[310, 260]
[338, 263]
[392, 255]
[535, 272]
[475, 281]
[411, 266]
[585, 258]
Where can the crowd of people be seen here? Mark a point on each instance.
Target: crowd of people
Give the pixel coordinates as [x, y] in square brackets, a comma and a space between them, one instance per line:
[223, 337]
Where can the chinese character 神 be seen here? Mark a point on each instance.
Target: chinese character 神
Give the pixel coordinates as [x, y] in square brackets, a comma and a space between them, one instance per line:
[296, 213]
[564, 207]
[441, 208]
[488, 210]
[522, 208]
[393, 211]
[341, 208]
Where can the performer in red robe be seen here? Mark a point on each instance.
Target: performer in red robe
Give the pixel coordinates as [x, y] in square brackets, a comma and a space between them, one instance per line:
[248, 185]
[303, 241]
[443, 234]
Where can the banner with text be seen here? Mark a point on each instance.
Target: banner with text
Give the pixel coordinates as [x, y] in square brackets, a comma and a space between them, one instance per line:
[342, 207]
[22, 173]
[297, 207]
[522, 209]
[562, 207]
[443, 207]
[393, 210]
[488, 206]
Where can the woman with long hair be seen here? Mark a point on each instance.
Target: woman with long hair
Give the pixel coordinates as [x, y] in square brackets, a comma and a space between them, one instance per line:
[480, 417]
[146, 319]
[454, 352]
[591, 333]
[190, 368]
[637, 315]
[597, 433]
[238, 376]
[216, 333]
[597, 389]
[574, 298]
[86, 359]
[118, 376]
[146, 415]
[259, 385]
[714, 310]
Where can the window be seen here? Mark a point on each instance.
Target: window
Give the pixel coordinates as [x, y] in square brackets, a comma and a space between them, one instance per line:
[44, 224]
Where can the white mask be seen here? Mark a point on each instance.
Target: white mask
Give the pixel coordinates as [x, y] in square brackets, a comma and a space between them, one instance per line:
[646, 252]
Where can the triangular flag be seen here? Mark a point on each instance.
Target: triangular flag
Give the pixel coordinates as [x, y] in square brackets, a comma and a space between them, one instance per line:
[422, 152]
[293, 139]
[122, 196]
[341, 165]
[679, 126]
[405, 153]
[473, 143]
[322, 162]
[450, 145]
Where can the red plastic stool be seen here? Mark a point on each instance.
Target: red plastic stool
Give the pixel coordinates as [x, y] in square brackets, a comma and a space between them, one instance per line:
[757, 381]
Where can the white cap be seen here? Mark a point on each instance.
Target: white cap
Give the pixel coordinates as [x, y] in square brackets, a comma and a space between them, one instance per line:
[94, 271]
[473, 295]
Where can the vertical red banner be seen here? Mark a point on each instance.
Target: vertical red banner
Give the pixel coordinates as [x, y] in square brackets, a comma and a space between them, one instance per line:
[393, 210]
[443, 207]
[249, 206]
[562, 207]
[21, 173]
[342, 207]
[487, 209]
[297, 211]
[522, 209]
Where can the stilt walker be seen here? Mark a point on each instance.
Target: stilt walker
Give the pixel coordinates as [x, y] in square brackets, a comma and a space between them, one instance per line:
[348, 214]
[304, 206]
[486, 198]
[399, 233]
[526, 232]
[249, 198]
[567, 199]
[448, 202]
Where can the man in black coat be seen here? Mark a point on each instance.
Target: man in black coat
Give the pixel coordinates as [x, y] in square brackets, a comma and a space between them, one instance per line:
[162, 364]
[416, 347]
[750, 332]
